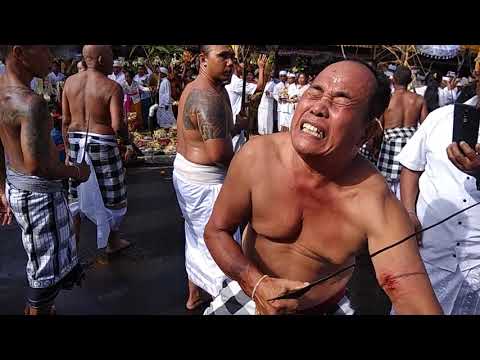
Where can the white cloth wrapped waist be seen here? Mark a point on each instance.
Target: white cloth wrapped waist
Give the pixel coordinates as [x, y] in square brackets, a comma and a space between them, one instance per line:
[90, 201]
[196, 173]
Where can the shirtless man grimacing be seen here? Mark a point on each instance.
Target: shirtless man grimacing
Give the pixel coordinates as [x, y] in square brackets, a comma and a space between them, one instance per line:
[327, 202]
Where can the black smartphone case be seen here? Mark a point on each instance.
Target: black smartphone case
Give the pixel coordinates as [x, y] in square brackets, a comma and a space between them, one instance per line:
[466, 122]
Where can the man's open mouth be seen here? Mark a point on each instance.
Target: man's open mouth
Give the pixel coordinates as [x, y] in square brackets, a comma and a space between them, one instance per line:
[312, 130]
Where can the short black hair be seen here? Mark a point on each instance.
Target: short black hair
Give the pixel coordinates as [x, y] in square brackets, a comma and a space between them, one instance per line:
[381, 97]
[5, 50]
[402, 75]
[130, 72]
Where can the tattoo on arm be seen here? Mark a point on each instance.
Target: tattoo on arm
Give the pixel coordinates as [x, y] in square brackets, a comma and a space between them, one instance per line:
[36, 130]
[211, 112]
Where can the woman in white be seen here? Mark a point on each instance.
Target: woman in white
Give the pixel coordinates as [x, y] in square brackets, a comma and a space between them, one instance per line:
[131, 100]
[292, 99]
[302, 84]
[265, 109]
[437, 96]
[143, 78]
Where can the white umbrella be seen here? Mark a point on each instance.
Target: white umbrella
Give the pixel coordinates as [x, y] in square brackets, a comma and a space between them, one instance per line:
[438, 51]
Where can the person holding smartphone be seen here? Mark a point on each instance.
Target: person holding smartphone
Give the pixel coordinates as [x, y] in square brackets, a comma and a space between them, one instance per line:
[439, 178]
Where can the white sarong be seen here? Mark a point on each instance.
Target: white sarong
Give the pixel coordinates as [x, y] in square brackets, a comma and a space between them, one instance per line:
[283, 116]
[197, 187]
[90, 201]
[265, 110]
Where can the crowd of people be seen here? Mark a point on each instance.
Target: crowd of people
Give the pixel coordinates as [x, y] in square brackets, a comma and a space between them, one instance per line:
[360, 160]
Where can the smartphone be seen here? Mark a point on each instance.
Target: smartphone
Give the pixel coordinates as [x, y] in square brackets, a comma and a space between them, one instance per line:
[466, 121]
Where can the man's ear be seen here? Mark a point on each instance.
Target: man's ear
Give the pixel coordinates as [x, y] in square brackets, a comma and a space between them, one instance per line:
[18, 51]
[100, 60]
[203, 59]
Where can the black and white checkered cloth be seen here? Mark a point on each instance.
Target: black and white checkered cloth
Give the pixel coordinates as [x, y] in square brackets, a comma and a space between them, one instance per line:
[393, 142]
[367, 154]
[233, 301]
[109, 170]
[47, 235]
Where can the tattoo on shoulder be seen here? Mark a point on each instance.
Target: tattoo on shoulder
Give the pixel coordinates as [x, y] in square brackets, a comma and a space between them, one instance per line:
[212, 114]
[12, 116]
[13, 107]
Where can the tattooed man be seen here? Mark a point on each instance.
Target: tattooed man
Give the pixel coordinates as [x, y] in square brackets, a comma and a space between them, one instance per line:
[33, 191]
[326, 203]
[204, 151]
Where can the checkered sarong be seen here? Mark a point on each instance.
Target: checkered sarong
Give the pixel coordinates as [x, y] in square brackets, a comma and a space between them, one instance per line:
[108, 166]
[47, 234]
[393, 142]
[367, 154]
[233, 301]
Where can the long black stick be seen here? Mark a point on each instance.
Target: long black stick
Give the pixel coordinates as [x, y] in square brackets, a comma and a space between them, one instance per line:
[297, 293]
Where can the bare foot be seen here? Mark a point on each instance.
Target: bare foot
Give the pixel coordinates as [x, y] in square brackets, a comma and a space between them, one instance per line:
[196, 296]
[116, 246]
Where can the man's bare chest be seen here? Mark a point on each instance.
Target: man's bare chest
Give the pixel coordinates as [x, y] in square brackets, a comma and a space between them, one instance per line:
[323, 224]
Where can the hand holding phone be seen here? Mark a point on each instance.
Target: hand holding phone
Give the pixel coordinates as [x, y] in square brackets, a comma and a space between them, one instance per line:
[466, 122]
[464, 152]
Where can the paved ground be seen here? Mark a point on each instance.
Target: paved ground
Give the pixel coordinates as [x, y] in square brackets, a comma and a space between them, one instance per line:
[150, 278]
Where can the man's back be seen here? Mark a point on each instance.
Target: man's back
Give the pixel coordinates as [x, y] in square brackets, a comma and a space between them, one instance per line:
[203, 114]
[89, 94]
[405, 110]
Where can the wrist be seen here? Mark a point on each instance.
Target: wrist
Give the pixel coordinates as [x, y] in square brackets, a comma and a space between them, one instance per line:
[249, 278]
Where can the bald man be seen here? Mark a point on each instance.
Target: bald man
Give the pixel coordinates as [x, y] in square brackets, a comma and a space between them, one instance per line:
[92, 120]
[326, 204]
[204, 151]
[34, 174]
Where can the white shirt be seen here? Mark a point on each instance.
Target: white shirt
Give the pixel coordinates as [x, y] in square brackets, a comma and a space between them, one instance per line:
[277, 90]
[164, 93]
[444, 190]
[55, 78]
[143, 82]
[292, 92]
[119, 78]
[267, 97]
[234, 90]
[302, 89]
[445, 96]
[131, 90]
[34, 84]
[2, 67]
